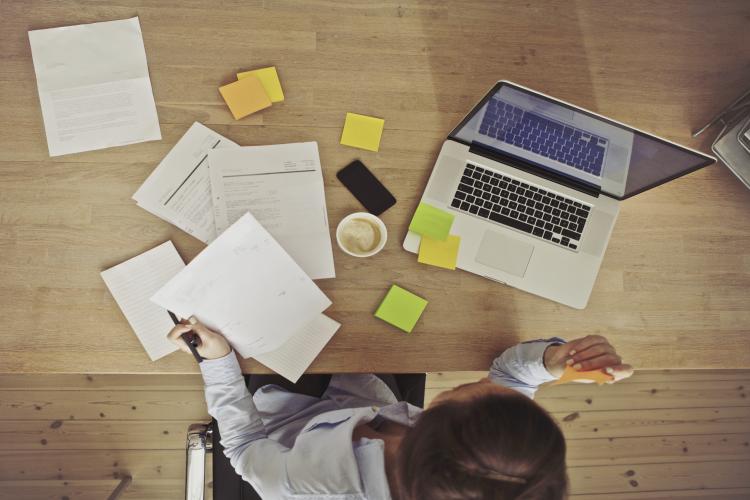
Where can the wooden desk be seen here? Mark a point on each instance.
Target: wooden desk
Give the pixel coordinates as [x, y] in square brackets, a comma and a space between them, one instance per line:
[672, 292]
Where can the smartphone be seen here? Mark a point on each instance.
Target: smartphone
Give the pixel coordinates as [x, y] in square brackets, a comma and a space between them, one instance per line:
[366, 187]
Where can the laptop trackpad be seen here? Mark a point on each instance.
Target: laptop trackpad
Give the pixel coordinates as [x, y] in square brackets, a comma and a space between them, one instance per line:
[504, 253]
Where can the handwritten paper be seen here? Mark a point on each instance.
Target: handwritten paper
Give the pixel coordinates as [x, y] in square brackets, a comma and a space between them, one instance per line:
[362, 131]
[571, 374]
[439, 253]
[133, 282]
[431, 222]
[269, 78]
[401, 308]
[245, 96]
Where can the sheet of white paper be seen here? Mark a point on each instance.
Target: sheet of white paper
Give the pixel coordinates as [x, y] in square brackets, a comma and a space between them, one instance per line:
[179, 189]
[132, 284]
[94, 86]
[282, 186]
[297, 354]
[247, 287]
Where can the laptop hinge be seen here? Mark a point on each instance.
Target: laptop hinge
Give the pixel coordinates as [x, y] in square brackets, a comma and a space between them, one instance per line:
[515, 162]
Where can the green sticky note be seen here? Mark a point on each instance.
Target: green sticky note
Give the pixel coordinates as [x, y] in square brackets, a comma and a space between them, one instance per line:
[439, 253]
[431, 222]
[401, 308]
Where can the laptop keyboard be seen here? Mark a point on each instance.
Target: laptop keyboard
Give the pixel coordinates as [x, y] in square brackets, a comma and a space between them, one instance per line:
[535, 133]
[511, 202]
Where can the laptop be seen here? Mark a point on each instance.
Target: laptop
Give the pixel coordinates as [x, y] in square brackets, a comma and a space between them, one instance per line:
[535, 185]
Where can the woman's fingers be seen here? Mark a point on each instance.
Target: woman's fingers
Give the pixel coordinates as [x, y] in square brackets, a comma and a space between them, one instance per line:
[620, 372]
[591, 352]
[598, 362]
[579, 345]
[177, 332]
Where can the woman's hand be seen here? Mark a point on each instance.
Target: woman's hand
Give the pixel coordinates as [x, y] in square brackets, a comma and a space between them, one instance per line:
[212, 345]
[592, 352]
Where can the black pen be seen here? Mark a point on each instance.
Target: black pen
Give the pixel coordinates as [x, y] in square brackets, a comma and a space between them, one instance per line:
[189, 338]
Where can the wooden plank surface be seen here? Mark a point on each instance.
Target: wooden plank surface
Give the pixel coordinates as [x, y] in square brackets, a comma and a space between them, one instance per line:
[627, 443]
[672, 292]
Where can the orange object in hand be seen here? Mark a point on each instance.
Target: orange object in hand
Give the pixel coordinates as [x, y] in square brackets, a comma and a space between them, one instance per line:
[571, 374]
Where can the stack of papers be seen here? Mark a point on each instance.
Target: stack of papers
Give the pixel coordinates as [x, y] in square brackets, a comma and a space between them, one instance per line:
[282, 186]
[179, 189]
[94, 87]
[247, 287]
[133, 282]
[207, 182]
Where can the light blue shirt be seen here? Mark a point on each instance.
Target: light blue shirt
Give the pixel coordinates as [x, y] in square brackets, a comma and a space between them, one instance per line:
[293, 446]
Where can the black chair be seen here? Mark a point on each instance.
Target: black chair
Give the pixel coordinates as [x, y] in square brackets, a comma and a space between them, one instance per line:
[227, 484]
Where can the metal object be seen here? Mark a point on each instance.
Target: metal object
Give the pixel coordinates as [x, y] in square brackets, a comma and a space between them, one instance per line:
[732, 144]
[199, 440]
[124, 483]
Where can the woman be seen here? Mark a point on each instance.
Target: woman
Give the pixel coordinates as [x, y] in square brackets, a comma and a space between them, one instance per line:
[485, 440]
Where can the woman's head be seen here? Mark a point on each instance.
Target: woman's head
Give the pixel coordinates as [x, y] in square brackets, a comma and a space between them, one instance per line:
[483, 441]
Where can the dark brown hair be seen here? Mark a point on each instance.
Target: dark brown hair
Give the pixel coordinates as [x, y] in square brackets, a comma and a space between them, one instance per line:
[494, 447]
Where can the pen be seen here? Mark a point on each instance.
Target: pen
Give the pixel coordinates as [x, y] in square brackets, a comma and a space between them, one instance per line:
[188, 338]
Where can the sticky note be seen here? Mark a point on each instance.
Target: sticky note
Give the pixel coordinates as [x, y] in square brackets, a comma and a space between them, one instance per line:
[401, 308]
[362, 131]
[570, 374]
[269, 78]
[431, 222]
[245, 96]
[439, 253]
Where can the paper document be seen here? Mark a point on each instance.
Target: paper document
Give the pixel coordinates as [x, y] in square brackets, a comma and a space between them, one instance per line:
[282, 186]
[297, 354]
[179, 189]
[247, 287]
[132, 284]
[93, 85]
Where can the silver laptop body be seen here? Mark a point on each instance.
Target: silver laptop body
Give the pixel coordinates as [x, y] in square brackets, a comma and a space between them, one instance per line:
[535, 186]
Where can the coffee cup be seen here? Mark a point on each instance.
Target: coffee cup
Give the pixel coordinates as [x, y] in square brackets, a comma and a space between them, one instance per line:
[361, 234]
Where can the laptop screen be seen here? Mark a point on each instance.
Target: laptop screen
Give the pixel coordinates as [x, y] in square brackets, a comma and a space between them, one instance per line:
[573, 142]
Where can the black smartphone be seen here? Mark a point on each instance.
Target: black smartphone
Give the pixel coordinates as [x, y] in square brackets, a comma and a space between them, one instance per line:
[366, 187]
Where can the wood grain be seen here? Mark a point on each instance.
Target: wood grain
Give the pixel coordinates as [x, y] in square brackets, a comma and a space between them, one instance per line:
[672, 292]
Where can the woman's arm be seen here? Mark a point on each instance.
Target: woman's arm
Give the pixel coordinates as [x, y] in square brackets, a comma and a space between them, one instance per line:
[522, 366]
[259, 460]
[528, 365]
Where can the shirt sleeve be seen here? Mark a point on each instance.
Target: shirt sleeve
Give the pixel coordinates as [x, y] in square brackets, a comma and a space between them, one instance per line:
[258, 459]
[522, 366]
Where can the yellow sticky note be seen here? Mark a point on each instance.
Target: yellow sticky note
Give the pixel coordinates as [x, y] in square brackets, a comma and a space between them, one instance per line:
[269, 78]
[245, 97]
[362, 131]
[439, 253]
[570, 374]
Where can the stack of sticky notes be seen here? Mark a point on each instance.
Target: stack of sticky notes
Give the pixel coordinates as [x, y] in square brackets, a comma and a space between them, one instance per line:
[254, 90]
[401, 308]
[361, 131]
[437, 246]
